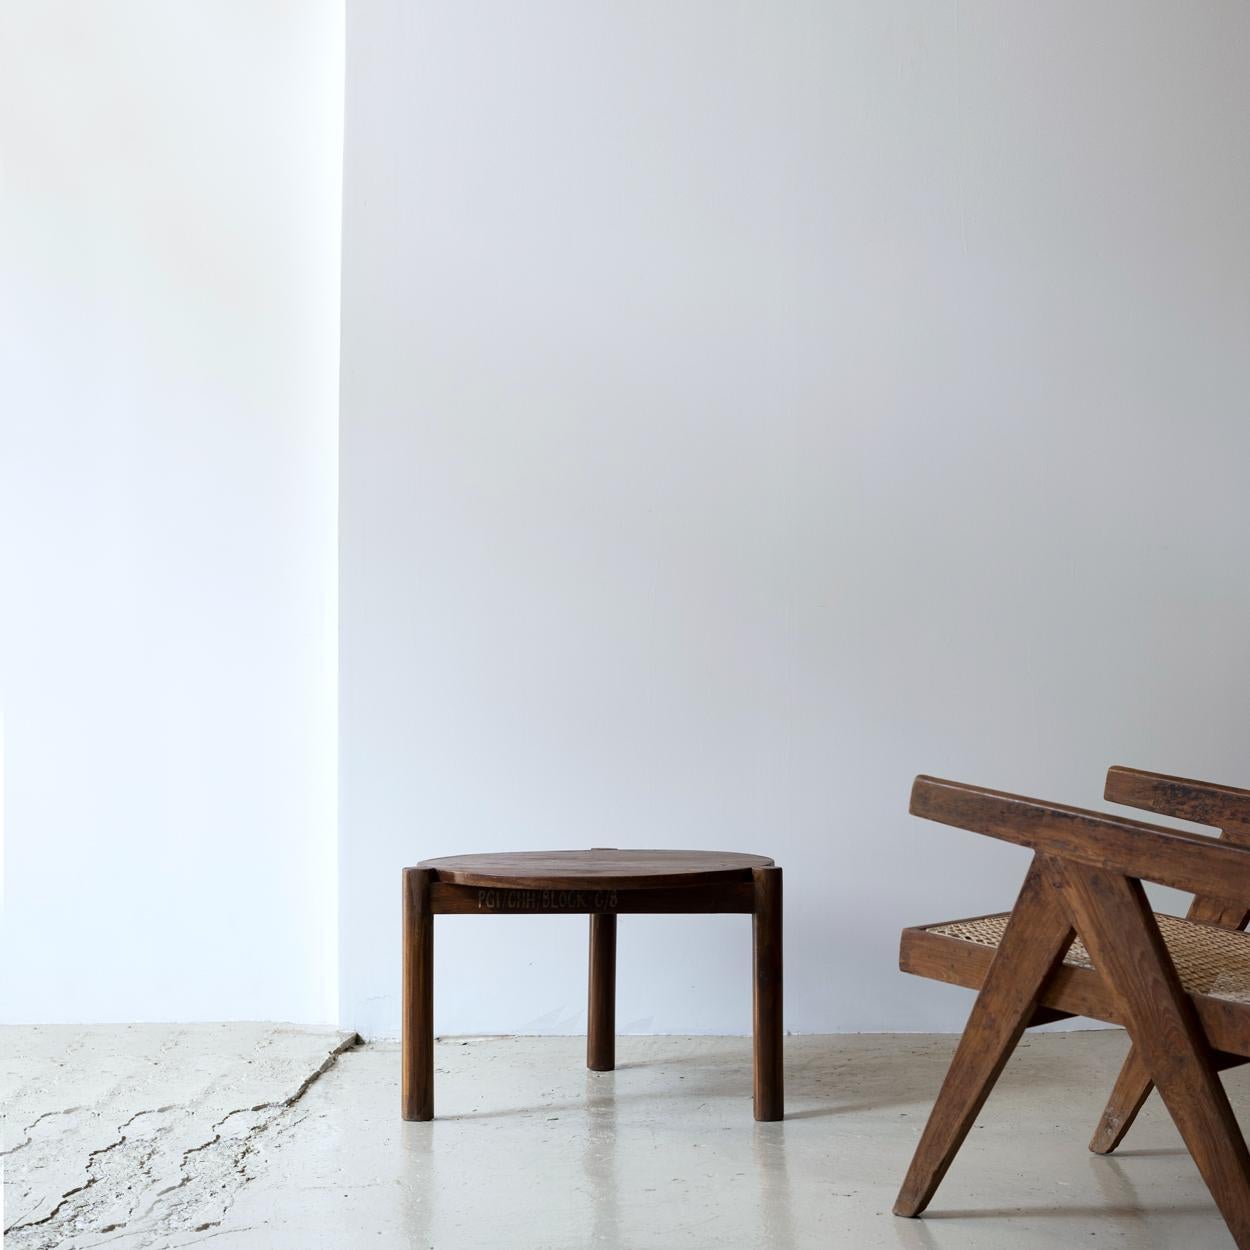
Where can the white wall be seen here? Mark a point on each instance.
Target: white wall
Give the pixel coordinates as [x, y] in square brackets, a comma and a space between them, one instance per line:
[748, 406]
[169, 248]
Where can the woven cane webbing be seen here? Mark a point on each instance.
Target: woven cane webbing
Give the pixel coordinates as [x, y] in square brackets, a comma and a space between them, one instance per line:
[1207, 960]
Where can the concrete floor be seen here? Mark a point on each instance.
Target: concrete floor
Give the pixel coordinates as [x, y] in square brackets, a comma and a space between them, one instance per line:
[275, 1138]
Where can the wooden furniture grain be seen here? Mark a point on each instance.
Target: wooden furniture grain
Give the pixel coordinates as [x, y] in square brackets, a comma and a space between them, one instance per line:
[1222, 807]
[602, 883]
[1083, 940]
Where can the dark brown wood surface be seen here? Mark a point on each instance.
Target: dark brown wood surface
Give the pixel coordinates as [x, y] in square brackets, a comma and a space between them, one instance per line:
[493, 900]
[768, 1030]
[1223, 807]
[1033, 946]
[1128, 1096]
[417, 1046]
[595, 869]
[601, 995]
[1118, 928]
[1203, 802]
[1176, 857]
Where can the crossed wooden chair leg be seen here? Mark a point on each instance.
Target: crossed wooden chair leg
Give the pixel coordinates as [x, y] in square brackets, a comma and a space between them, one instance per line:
[1114, 918]
[1132, 1088]
[1134, 1085]
[1222, 807]
[1034, 944]
[1111, 914]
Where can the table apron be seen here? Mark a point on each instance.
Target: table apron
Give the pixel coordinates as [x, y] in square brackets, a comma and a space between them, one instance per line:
[447, 899]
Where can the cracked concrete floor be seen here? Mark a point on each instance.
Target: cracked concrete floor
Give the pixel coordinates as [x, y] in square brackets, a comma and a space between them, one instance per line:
[274, 1138]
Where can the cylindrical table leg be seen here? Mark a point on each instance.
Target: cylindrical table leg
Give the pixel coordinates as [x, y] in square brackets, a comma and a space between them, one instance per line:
[418, 997]
[766, 945]
[601, 1012]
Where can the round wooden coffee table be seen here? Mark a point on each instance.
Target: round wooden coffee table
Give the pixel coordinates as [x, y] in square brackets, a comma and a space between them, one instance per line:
[602, 883]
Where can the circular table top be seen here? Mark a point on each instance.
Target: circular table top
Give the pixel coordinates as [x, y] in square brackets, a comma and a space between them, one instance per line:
[600, 869]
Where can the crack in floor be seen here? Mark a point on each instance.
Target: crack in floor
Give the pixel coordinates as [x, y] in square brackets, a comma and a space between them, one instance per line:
[120, 1174]
[34, 1124]
[91, 1181]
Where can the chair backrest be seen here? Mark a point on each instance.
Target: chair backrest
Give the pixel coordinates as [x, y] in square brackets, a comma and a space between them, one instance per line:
[1203, 802]
[1226, 808]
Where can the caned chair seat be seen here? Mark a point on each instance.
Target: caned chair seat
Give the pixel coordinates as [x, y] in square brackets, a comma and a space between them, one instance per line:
[1208, 960]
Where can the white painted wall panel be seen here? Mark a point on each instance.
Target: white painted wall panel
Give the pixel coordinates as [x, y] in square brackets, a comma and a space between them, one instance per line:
[748, 406]
[169, 314]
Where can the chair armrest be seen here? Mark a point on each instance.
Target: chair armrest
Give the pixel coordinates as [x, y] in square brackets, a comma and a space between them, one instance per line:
[1176, 857]
[1203, 802]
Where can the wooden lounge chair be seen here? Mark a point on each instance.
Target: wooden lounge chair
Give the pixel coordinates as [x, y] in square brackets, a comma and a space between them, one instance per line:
[1082, 941]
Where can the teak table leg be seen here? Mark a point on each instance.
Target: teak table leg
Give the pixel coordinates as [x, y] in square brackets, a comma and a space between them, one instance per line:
[601, 1009]
[418, 997]
[766, 948]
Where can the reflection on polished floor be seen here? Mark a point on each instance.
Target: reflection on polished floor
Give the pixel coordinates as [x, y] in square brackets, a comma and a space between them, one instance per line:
[150, 1136]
